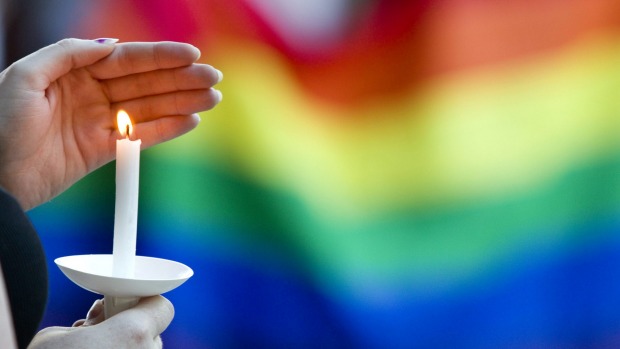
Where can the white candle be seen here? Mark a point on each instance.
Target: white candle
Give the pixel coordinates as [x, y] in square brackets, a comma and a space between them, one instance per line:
[126, 211]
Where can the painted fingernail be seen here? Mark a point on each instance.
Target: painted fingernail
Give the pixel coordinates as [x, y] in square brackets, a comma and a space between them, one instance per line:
[106, 41]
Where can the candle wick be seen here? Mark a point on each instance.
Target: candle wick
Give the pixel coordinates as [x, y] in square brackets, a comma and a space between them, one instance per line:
[126, 131]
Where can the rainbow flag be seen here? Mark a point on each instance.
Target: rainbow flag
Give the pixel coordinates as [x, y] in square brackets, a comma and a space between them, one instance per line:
[380, 174]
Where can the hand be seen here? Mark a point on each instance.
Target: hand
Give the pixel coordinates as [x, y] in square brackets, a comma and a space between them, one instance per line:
[58, 108]
[138, 327]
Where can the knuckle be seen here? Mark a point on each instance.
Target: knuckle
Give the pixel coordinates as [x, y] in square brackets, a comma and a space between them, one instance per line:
[17, 69]
[22, 72]
[168, 307]
[138, 333]
[157, 55]
[66, 43]
[141, 336]
[160, 129]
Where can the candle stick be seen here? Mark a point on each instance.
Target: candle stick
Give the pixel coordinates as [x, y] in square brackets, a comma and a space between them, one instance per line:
[126, 211]
[122, 289]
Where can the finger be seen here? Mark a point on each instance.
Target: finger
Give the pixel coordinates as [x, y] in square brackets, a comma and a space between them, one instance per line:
[37, 70]
[138, 57]
[193, 77]
[176, 103]
[152, 314]
[165, 128]
[94, 316]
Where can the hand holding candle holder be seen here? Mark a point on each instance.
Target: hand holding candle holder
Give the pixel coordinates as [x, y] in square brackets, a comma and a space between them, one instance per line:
[123, 278]
[152, 276]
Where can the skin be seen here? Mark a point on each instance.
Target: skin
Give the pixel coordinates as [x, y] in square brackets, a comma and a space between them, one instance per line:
[57, 124]
[138, 327]
[58, 108]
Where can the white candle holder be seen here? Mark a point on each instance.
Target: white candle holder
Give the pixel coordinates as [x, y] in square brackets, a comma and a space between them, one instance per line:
[153, 276]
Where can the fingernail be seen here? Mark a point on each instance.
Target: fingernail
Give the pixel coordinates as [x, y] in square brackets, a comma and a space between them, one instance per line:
[219, 95]
[196, 117]
[106, 40]
[220, 75]
[95, 310]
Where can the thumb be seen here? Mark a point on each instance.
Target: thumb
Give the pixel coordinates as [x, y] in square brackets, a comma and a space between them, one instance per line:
[151, 314]
[39, 69]
[95, 315]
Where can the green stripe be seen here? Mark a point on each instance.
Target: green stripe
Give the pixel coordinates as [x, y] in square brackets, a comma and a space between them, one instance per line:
[401, 245]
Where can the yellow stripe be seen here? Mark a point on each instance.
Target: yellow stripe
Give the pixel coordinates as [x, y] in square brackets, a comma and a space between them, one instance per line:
[486, 133]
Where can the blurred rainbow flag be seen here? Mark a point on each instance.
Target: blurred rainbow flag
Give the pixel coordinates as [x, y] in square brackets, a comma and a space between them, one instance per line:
[380, 174]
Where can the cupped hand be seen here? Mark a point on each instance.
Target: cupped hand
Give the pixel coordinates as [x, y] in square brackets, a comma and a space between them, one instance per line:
[58, 108]
[138, 327]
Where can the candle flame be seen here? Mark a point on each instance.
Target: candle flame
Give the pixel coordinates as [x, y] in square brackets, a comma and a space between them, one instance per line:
[125, 126]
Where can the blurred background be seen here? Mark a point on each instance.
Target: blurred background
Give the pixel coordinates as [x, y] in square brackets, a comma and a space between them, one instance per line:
[380, 174]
